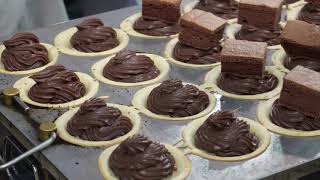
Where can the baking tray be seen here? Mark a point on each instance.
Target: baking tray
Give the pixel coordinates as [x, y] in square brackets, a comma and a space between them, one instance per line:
[66, 161]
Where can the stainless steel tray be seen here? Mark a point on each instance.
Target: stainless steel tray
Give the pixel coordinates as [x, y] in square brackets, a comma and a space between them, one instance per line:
[66, 161]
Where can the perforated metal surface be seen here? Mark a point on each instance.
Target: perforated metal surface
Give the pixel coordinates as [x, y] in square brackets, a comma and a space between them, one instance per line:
[76, 163]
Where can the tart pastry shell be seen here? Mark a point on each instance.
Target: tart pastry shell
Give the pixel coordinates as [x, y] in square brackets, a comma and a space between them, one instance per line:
[182, 164]
[169, 49]
[261, 132]
[210, 83]
[127, 26]
[263, 111]
[62, 42]
[161, 64]
[278, 58]
[24, 84]
[139, 101]
[129, 112]
[53, 58]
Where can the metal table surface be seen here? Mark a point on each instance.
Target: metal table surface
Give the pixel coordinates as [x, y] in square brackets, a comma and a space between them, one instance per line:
[66, 161]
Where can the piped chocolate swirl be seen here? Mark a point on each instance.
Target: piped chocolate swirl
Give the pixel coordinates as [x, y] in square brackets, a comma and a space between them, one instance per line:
[224, 9]
[225, 135]
[56, 85]
[95, 121]
[155, 27]
[24, 52]
[175, 99]
[127, 66]
[310, 13]
[93, 36]
[141, 159]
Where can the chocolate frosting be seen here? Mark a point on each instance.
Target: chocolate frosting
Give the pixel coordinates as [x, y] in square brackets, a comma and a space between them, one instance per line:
[251, 33]
[138, 158]
[155, 27]
[225, 10]
[56, 85]
[290, 1]
[241, 85]
[191, 55]
[308, 62]
[129, 67]
[173, 98]
[291, 119]
[95, 121]
[310, 13]
[24, 52]
[225, 135]
[93, 36]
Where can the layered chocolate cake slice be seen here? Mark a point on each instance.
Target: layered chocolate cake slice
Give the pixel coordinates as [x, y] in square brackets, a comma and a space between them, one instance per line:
[159, 18]
[243, 68]
[260, 20]
[199, 38]
[299, 40]
[298, 105]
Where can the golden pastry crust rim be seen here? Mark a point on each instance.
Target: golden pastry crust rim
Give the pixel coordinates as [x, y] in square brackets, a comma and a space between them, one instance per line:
[261, 133]
[24, 84]
[263, 110]
[210, 83]
[140, 98]
[62, 42]
[127, 111]
[182, 163]
[127, 26]
[53, 55]
[169, 51]
[161, 64]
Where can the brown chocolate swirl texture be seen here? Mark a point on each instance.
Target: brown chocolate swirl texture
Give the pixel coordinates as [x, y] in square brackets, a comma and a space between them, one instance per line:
[127, 66]
[225, 10]
[241, 85]
[191, 55]
[308, 62]
[174, 99]
[56, 85]
[95, 121]
[93, 36]
[138, 158]
[23, 52]
[310, 13]
[291, 119]
[251, 33]
[225, 135]
[155, 27]
[290, 1]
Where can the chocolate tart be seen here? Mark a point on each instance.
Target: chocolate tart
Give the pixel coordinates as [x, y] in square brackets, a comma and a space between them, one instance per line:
[91, 86]
[139, 101]
[182, 164]
[127, 111]
[188, 7]
[127, 26]
[263, 111]
[161, 64]
[62, 42]
[53, 55]
[260, 132]
[294, 11]
[210, 83]
[233, 29]
[169, 49]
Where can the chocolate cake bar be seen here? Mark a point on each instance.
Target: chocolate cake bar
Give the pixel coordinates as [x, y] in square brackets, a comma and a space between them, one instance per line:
[165, 10]
[301, 91]
[245, 58]
[201, 29]
[300, 38]
[265, 14]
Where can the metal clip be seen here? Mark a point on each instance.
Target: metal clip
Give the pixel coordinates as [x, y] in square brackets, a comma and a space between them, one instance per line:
[47, 133]
[10, 97]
